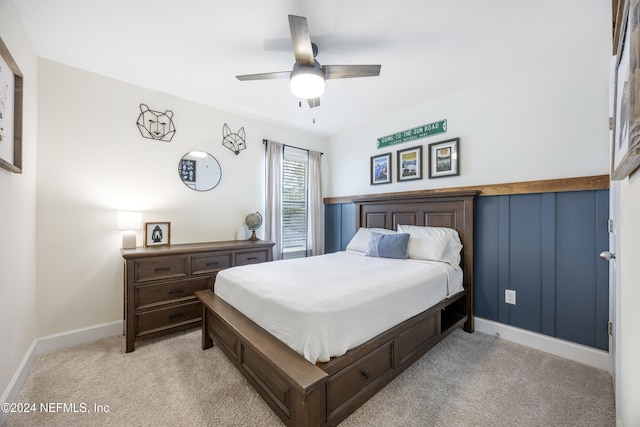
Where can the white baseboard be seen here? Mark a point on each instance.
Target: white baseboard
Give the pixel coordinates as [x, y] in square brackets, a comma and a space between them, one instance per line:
[79, 336]
[51, 343]
[579, 353]
[16, 383]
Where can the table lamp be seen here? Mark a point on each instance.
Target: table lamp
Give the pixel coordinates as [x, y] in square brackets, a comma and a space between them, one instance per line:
[129, 222]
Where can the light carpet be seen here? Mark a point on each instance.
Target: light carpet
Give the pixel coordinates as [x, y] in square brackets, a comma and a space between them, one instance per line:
[466, 380]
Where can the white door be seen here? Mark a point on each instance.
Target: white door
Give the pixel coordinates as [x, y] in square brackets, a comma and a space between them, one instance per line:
[615, 213]
[612, 256]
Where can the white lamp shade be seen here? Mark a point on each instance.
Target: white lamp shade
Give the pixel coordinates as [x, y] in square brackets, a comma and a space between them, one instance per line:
[129, 220]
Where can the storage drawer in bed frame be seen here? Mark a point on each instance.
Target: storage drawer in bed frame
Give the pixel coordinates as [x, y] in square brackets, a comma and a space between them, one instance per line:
[339, 386]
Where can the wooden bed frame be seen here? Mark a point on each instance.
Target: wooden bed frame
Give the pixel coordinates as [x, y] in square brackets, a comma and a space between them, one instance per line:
[324, 394]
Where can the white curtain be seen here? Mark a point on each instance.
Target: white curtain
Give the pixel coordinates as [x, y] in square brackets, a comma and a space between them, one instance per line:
[273, 214]
[316, 206]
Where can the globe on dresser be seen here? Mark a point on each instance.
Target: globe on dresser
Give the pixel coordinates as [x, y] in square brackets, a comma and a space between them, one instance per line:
[253, 221]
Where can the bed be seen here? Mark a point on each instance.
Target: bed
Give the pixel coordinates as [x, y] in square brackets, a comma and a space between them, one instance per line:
[303, 393]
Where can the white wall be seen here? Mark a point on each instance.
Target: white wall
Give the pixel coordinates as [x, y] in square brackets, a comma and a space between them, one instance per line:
[547, 122]
[18, 215]
[93, 162]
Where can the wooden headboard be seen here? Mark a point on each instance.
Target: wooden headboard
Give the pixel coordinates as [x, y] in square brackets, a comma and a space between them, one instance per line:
[453, 210]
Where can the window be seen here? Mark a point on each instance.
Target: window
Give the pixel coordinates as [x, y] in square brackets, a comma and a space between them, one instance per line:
[294, 203]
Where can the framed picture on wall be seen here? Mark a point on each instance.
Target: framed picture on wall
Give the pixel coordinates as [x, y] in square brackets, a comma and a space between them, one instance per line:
[381, 169]
[625, 146]
[410, 164]
[157, 233]
[10, 112]
[444, 158]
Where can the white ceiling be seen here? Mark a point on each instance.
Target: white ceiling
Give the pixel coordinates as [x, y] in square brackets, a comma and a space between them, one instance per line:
[193, 49]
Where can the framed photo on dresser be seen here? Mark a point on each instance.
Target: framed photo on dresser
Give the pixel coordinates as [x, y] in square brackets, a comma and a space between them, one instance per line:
[157, 233]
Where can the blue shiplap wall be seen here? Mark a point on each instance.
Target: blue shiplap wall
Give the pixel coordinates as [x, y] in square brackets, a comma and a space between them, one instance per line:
[543, 246]
[339, 226]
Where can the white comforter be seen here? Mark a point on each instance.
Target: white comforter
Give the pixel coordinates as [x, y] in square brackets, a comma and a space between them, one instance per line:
[323, 306]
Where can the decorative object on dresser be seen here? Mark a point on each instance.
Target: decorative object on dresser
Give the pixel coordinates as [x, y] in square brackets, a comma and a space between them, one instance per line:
[157, 233]
[241, 233]
[253, 221]
[159, 282]
[129, 222]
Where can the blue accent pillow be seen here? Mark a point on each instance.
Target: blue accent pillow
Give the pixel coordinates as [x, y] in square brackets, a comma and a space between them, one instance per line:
[388, 245]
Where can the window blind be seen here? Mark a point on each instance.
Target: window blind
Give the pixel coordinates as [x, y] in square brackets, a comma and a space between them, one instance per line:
[294, 203]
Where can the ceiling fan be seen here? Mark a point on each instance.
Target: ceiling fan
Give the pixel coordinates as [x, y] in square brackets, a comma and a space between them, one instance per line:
[307, 79]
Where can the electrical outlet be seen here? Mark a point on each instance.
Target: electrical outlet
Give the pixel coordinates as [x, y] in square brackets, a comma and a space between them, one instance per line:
[510, 296]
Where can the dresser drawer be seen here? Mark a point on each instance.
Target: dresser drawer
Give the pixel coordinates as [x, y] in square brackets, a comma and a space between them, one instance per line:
[358, 376]
[166, 318]
[253, 257]
[160, 268]
[208, 263]
[162, 293]
[159, 283]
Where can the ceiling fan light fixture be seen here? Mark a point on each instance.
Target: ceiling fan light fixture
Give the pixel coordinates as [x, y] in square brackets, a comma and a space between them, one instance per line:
[307, 82]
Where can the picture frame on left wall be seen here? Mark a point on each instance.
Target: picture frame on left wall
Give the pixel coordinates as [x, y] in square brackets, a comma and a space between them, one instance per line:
[11, 85]
[625, 143]
[157, 233]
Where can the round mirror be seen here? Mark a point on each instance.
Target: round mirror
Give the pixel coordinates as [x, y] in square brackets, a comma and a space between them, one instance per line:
[199, 171]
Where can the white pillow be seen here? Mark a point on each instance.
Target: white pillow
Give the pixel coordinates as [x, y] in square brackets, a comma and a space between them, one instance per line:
[360, 240]
[433, 243]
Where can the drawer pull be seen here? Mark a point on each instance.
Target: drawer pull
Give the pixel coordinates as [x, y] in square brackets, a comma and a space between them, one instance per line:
[159, 269]
[176, 291]
[251, 258]
[212, 263]
[365, 375]
[176, 316]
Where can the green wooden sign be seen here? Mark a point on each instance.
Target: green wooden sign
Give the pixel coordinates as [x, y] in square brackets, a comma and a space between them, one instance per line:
[415, 133]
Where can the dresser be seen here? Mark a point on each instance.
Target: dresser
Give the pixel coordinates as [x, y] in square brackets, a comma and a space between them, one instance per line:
[159, 282]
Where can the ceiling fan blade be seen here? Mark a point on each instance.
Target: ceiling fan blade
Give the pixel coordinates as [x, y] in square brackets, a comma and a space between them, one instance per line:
[314, 102]
[350, 71]
[301, 39]
[265, 76]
